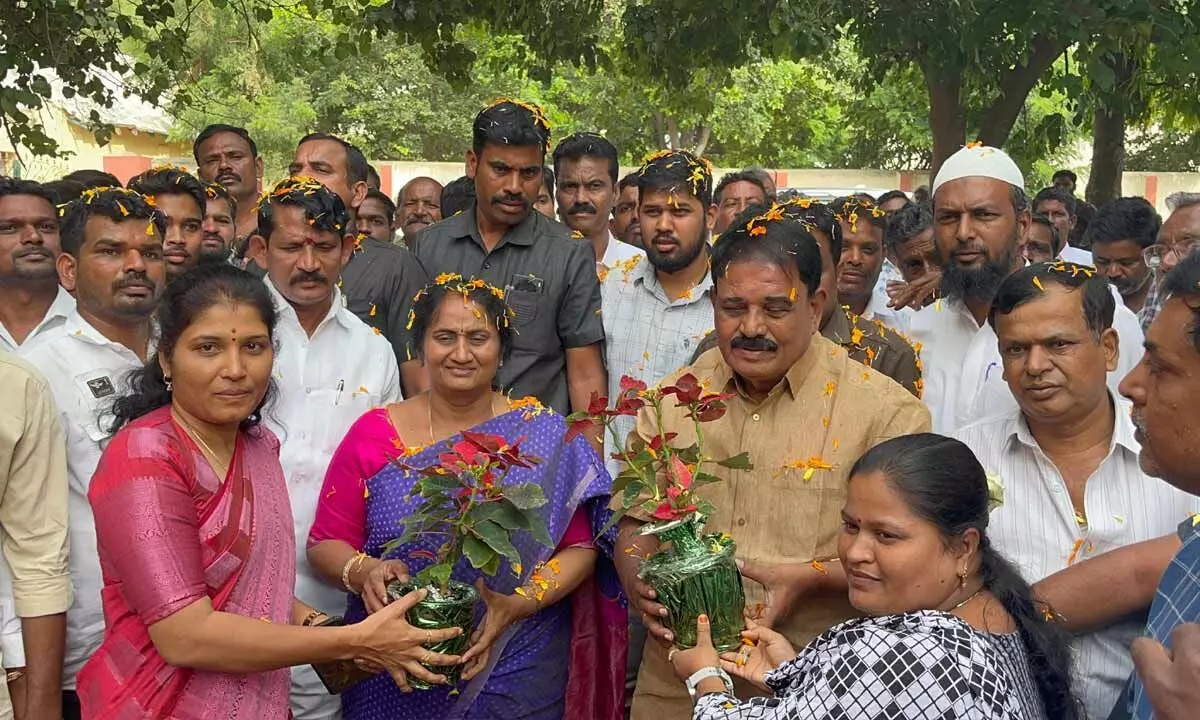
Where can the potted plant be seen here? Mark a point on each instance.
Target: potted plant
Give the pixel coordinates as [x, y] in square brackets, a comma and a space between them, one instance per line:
[466, 501]
[693, 573]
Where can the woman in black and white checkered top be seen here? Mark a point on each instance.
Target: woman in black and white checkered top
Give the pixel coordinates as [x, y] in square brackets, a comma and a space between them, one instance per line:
[952, 630]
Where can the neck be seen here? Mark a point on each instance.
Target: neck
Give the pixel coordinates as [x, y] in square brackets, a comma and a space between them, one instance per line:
[247, 215]
[460, 410]
[678, 284]
[134, 335]
[311, 316]
[1068, 436]
[220, 439]
[1137, 301]
[490, 231]
[24, 305]
[858, 306]
[600, 244]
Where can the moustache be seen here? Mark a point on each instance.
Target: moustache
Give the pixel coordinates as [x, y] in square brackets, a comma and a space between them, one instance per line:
[422, 219]
[228, 176]
[135, 279]
[313, 276]
[505, 198]
[754, 344]
[580, 208]
[29, 250]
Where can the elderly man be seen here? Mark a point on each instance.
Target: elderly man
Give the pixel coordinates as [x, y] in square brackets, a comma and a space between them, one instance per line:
[418, 206]
[1067, 454]
[735, 192]
[980, 218]
[804, 410]
[1177, 238]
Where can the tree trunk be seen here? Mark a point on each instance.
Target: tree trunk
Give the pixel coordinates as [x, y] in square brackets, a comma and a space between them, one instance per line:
[702, 138]
[998, 120]
[660, 132]
[947, 122]
[672, 132]
[1108, 133]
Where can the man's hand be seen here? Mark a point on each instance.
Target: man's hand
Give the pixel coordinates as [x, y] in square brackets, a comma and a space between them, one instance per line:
[916, 294]
[785, 585]
[1171, 677]
[631, 549]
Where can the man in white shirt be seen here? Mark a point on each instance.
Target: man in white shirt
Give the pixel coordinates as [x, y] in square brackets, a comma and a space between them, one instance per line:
[112, 259]
[330, 368]
[31, 300]
[981, 217]
[1059, 205]
[1067, 456]
[585, 171]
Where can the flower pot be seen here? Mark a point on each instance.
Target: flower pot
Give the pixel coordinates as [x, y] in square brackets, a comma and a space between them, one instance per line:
[696, 575]
[439, 613]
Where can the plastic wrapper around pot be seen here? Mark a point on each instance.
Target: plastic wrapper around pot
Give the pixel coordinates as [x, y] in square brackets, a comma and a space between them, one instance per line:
[438, 614]
[696, 575]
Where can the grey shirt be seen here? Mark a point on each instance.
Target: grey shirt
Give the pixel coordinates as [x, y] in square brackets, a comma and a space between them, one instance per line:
[549, 281]
[379, 283]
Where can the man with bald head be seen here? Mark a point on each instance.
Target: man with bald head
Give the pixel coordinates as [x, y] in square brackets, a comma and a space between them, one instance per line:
[418, 206]
[981, 218]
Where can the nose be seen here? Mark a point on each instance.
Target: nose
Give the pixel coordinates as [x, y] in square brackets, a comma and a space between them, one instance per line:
[462, 352]
[235, 367]
[308, 259]
[753, 323]
[174, 234]
[1133, 385]
[1037, 361]
[512, 184]
[134, 262]
[31, 235]
[852, 256]
[856, 549]
[965, 229]
[664, 224]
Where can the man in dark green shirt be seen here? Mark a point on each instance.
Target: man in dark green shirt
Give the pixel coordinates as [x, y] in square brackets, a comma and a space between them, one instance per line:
[549, 278]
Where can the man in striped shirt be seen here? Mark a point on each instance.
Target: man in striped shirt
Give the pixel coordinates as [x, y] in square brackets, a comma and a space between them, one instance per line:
[1067, 456]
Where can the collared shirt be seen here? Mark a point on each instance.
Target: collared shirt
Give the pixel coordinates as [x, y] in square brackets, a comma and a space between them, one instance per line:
[1076, 255]
[828, 410]
[55, 316]
[33, 509]
[964, 375]
[617, 253]
[378, 286]
[1037, 527]
[86, 371]
[1153, 304]
[648, 336]
[549, 282]
[877, 346]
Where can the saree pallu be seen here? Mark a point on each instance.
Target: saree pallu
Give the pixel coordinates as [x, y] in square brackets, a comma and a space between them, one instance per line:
[170, 533]
[567, 660]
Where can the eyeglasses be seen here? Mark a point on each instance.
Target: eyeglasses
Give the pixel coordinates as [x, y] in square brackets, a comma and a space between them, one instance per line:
[1155, 255]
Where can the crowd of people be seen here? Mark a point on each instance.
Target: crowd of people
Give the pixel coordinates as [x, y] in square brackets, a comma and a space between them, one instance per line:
[969, 412]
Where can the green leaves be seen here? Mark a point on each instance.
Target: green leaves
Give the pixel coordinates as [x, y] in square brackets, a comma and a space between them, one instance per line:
[740, 461]
[525, 497]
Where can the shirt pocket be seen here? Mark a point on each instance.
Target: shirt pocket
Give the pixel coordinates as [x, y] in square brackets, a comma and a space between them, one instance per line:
[336, 411]
[524, 305]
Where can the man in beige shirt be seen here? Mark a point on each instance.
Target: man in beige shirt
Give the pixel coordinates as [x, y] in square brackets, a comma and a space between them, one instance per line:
[33, 519]
[804, 410]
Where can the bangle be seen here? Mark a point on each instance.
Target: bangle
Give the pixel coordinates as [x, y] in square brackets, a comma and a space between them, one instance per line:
[15, 675]
[312, 616]
[348, 568]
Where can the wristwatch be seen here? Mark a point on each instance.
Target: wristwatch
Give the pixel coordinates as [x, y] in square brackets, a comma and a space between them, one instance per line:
[704, 674]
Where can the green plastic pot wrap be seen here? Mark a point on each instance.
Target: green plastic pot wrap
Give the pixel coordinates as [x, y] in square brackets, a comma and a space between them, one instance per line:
[695, 574]
[457, 610]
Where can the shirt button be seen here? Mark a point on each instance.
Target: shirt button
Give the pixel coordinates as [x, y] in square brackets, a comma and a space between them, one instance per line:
[755, 417]
[487, 266]
[308, 391]
[741, 522]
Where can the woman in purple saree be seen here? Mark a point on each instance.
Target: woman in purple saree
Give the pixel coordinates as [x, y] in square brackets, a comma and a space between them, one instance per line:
[559, 649]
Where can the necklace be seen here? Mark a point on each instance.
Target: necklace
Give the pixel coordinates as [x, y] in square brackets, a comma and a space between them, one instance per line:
[969, 599]
[221, 468]
[429, 408]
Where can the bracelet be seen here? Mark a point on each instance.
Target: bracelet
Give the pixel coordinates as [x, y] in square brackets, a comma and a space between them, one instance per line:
[348, 568]
[308, 620]
[15, 675]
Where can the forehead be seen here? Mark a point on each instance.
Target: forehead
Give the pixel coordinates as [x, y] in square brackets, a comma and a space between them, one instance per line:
[173, 204]
[224, 142]
[372, 206]
[741, 189]
[681, 194]
[16, 205]
[1183, 220]
[1050, 205]
[756, 278]
[630, 192]
[1042, 231]
[516, 156]
[1058, 309]
[423, 187]
[583, 168]
[457, 312]
[227, 318]
[1117, 248]
[291, 218]
[922, 242]
[218, 205]
[322, 150]
[862, 231]
[130, 232]
[971, 192]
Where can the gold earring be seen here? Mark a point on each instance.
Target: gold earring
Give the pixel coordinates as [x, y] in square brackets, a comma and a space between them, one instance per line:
[962, 579]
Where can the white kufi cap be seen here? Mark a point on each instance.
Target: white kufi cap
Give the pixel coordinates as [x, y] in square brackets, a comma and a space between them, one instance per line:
[979, 161]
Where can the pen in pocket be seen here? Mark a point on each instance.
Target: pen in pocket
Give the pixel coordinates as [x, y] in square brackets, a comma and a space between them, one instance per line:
[337, 399]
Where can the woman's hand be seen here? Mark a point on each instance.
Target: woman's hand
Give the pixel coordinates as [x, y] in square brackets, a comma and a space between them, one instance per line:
[502, 611]
[374, 588]
[768, 651]
[687, 662]
[385, 639]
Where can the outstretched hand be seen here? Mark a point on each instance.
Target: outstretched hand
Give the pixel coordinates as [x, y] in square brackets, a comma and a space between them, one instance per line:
[762, 651]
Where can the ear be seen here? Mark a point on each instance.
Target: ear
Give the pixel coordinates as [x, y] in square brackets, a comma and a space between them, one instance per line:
[359, 193]
[164, 364]
[967, 545]
[1024, 220]
[710, 218]
[817, 302]
[1110, 341]
[349, 242]
[66, 266]
[258, 171]
[472, 164]
[258, 250]
[1074, 219]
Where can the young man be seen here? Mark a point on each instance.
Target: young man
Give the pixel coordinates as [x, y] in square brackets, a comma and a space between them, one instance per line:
[330, 368]
[31, 300]
[1043, 242]
[735, 192]
[794, 396]
[1119, 236]
[861, 261]
[418, 205]
[549, 279]
[1061, 207]
[544, 202]
[227, 155]
[380, 278]
[377, 217]
[1084, 210]
[181, 200]
[585, 168]
[219, 228]
[625, 225]
[112, 260]
[1067, 455]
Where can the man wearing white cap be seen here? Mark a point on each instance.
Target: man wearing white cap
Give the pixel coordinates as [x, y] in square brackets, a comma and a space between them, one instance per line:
[980, 218]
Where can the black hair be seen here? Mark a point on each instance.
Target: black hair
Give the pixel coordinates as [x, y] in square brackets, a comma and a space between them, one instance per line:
[457, 196]
[214, 191]
[115, 203]
[741, 176]
[894, 195]
[93, 179]
[1056, 242]
[590, 145]
[857, 208]
[907, 223]
[63, 191]
[187, 297]
[388, 205]
[679, 170]
[817, 214]
[1127, 218]
[1029, 283]
[630, 180]
[17, 186]
[216, 129]
[942, 482]
[764, 177]
[357, 167]
[374, 182]
[508, 122]
[428, 300]
[169, 180]
[548, 181]
[322, 206]
[1067, 174]
[1184, 279]
[785, 243]
[1056, 193]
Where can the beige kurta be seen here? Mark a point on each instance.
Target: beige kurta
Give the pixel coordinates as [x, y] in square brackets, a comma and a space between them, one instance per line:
[828, 408]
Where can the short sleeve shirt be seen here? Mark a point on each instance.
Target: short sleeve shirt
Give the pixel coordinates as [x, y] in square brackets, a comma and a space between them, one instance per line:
[379, 283]
[549, 282]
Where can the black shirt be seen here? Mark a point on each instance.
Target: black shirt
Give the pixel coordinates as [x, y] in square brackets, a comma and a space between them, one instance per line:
[379, 283]
[549, 281]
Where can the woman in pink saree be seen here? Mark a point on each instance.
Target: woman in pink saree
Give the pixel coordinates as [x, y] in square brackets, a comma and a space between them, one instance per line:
[195, 535]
